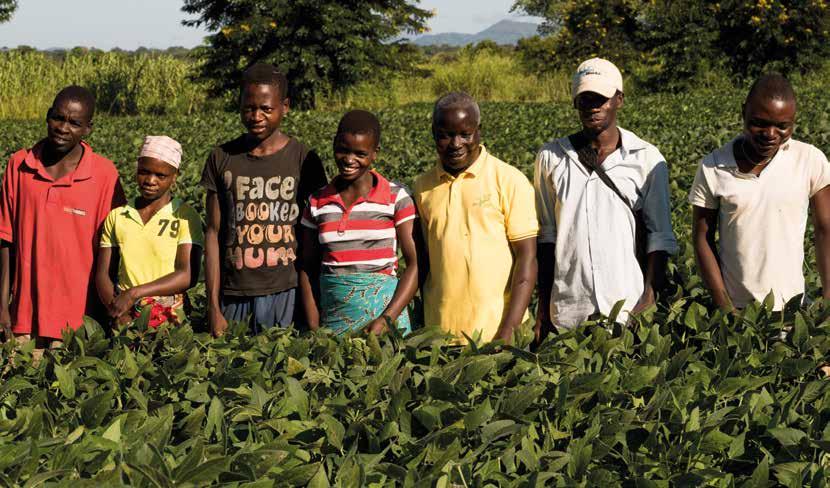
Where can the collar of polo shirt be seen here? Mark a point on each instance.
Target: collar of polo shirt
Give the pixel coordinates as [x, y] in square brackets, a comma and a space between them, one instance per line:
[82, 172]
[380, 193]
[472, 170]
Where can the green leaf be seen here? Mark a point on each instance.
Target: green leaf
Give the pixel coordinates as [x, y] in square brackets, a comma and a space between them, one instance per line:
[736, 448]
[641, 377]
[482, 413]
[799, 334]
[787, 436]
[215, 422]
[66, 381]
[205, 473]
[760, 476]
[96, 408]
[40, 478]
[113, 432]
[791, 474]
[319, 480]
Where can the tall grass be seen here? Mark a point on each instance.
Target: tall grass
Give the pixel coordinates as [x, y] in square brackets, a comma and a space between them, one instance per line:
[486, 75]
[122, 83]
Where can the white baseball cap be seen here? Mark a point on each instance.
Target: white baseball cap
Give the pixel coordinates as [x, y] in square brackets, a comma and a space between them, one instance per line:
[599, 76]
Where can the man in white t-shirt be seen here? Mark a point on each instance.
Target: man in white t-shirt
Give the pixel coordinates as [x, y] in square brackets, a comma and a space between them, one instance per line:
[589, 186]
[756, 190]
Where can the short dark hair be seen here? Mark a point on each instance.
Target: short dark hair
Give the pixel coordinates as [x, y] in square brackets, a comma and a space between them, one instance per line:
[265, 74]
[772, 86]
[360, 122]
[76, 93]
[457, 101]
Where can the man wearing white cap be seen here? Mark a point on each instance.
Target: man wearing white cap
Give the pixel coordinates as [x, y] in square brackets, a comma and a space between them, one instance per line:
[597, 191]
[159, 240]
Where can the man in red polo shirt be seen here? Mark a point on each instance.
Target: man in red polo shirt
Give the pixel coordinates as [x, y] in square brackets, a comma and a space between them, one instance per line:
[54, 199]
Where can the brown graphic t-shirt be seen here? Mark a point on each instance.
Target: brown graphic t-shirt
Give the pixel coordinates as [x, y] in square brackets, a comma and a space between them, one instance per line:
[261, 200]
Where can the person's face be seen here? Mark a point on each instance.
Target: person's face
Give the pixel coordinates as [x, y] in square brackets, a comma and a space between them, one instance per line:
[262, 108]
[457, 138]
[67, 122]
[768, 123]
[596, 112]
[354, 154]
[154, 177]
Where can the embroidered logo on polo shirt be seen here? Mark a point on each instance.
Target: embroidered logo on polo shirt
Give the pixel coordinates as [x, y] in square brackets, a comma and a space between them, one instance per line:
[76, 211]
[483, 201]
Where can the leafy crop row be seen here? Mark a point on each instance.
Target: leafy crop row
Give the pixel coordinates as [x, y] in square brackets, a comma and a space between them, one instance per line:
[686, 398]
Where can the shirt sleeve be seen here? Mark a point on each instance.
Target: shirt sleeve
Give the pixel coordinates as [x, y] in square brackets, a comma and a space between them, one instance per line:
[190, 228]
[657, 210]
[112, 196]
[519, 207]
[404, 207]
[819, 172]
[308, 220]
[700, 195]
[312, 178]
[209, 177]
[108, 238]
[9, 197]
[545, 195]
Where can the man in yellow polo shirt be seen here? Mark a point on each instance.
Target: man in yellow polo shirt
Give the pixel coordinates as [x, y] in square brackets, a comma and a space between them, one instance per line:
[479, 221]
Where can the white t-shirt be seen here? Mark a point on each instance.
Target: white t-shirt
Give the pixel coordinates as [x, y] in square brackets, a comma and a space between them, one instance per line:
[761, 219]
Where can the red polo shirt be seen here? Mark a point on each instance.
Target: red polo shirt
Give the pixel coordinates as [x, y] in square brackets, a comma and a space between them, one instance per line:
[54, 228]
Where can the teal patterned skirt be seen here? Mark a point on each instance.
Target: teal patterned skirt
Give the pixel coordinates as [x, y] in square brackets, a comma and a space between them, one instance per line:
[350, 301]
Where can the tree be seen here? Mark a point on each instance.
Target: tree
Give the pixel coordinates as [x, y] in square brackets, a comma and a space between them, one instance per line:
[321, 45]
[575, 30]
[670, 43]
[7, 8]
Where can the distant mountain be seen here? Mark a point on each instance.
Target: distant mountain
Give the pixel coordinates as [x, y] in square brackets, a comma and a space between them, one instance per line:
[502, 32]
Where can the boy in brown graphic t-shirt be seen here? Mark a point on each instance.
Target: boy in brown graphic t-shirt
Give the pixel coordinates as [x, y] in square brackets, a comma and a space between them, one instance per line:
[256, 185]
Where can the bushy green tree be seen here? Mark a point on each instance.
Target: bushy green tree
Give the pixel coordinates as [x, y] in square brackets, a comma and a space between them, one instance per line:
[7, 8]
[575, 30]
[321, 45]
[672, 42]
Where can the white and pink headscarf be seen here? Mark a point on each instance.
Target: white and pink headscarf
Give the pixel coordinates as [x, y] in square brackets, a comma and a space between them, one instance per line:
[162, 148]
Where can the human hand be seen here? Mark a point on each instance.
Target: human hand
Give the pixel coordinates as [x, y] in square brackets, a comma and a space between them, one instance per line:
[376, 326]
[122, 304]
[123, 320]
[543, 325]
[505, 334]
[6, 323]
[217, 322]
[646, 300]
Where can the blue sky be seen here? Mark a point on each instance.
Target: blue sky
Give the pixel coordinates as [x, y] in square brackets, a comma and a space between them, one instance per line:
[129, 24]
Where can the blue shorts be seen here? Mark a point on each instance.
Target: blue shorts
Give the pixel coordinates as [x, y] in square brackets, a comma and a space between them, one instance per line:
[263, 312]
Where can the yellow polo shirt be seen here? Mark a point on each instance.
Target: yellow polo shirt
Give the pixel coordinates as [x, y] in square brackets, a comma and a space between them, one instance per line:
[148, 251]
[469, 221]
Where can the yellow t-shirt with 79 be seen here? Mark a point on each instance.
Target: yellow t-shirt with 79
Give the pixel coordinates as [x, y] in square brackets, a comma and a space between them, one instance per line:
[468, 222]
[148, 251]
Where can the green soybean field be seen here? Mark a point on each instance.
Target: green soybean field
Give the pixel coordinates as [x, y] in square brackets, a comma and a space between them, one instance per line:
[685, 397]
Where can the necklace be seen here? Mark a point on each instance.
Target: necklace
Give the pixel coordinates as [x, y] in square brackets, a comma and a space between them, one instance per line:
[746, 156]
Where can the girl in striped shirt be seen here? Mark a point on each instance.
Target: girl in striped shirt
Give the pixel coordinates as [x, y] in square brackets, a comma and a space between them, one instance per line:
[352, 228]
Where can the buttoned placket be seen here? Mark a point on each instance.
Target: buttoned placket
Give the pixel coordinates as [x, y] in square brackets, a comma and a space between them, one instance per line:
[344, 220]
[594, 187]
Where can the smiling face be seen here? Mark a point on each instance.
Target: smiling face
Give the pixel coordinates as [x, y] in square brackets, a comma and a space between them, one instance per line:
[354, 154]
[154, 178]
[457, 138]
[596, 112]
[262, 108]
[768, 123]
[67, 122]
